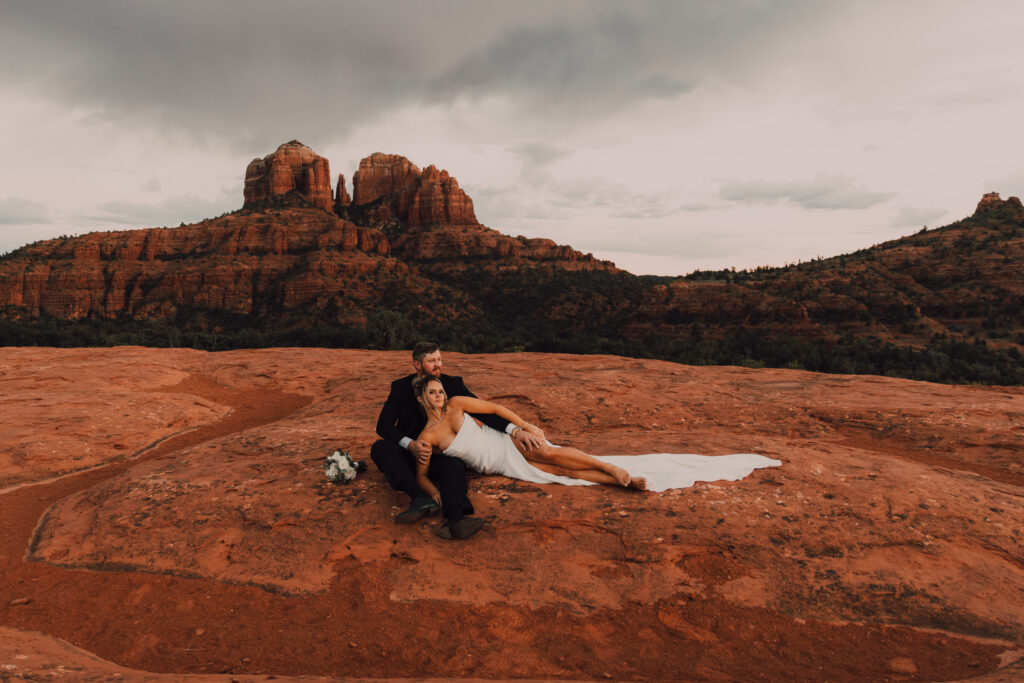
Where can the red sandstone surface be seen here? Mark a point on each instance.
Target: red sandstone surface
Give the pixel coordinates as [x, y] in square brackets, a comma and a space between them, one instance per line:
[888, 546]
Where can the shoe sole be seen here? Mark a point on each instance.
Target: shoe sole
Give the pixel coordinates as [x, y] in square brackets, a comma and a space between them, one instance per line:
[467, 526]
[410, 517]
[464, 528]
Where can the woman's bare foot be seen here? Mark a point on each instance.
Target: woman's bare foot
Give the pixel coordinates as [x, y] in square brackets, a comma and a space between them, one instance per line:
[638, 483]
[621, 476]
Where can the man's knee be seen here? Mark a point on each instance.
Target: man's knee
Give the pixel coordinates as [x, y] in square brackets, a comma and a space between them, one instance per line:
[384, 453]
[391, 459]
[446, 466]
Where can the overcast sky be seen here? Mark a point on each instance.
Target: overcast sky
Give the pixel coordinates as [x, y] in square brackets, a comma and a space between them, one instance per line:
[664, 136]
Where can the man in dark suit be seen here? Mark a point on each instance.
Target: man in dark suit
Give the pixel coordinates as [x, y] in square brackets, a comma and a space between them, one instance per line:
[400, 422]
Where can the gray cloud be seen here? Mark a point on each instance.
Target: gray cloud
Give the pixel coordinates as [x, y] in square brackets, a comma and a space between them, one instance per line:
[17, 211]
[250, 74]
[1010, 185]
[535, 179]
[823, 192]
[535, 156]
[170, 212]
[604, 66]
[542, 196]
[908, 216]
[616, 54]
[695, 244]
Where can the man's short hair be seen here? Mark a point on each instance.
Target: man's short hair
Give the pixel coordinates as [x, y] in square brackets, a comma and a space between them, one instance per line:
[423, 348]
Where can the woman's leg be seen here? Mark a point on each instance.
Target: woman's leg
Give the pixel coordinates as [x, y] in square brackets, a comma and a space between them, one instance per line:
[596, 476]
[582, 465]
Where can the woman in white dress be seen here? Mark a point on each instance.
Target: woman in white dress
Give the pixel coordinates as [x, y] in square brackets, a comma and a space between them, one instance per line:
[489, 452]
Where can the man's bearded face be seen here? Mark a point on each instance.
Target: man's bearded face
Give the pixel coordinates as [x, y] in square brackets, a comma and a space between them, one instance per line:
[430, 365]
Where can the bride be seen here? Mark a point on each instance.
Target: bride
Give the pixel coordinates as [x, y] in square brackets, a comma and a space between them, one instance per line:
[490, 452]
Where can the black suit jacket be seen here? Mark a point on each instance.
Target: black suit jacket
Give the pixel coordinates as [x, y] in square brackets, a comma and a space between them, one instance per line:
[402, 415]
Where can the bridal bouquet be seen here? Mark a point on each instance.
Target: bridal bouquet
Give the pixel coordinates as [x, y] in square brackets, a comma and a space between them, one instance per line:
[341, 468]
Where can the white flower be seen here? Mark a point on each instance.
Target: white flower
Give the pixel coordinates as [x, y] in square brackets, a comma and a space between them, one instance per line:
[341, 468]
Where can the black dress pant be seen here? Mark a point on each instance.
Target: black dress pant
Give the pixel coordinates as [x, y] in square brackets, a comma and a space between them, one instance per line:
[447, 473]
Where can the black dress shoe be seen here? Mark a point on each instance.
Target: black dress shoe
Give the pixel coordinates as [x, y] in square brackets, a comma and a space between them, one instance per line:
[420, 508]
[464, 528]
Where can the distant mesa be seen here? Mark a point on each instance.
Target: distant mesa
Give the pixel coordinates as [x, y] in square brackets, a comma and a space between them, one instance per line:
[390, 183]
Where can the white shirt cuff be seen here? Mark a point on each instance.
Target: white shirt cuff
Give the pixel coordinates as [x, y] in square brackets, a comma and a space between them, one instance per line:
[510, 428]
[404, 442]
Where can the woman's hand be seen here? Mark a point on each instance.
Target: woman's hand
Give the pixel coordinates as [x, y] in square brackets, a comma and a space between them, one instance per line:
[529, 439]
[421, 450]
[534, 429]
[436, 495]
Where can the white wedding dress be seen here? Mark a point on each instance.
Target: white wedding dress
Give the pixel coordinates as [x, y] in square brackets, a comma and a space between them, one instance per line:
[491, 452]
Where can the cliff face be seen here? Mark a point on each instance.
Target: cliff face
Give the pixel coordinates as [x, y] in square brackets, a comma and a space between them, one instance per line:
[388, 178]
[238, 263]
[417, 198]
[292, 167]
[288, 248]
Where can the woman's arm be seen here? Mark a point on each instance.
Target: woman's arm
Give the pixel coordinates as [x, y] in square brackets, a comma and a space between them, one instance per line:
[476, 405]
[424, 481]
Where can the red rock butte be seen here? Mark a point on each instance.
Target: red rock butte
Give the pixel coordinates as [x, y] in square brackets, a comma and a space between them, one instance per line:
[286, 252]
[991, 202]
[419, 198]
[292, 167]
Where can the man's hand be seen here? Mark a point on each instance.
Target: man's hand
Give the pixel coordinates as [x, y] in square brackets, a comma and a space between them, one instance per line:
[421, 450]
[529, 440]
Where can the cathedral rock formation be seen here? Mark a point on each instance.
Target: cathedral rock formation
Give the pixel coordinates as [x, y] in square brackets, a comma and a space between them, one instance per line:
[420, 198]
[388, 177]
[440, 201]
[387, 182]
[301, 252]
[293, 166]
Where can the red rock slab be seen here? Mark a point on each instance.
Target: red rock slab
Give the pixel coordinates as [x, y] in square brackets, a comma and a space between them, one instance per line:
[854, 563]
[68, 410]
[33, 656]
[37, 657]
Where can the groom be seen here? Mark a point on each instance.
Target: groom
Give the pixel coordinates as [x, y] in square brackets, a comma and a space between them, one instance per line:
[400, 422]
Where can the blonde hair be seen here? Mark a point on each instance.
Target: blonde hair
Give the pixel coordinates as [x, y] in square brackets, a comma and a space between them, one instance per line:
[419, 388]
